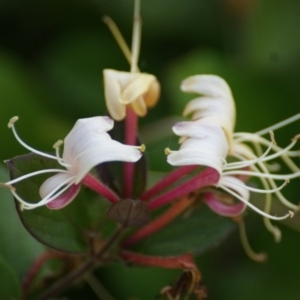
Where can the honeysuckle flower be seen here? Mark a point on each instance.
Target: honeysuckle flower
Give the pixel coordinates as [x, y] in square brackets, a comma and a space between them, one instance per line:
[87, 145]
[208, 140]
[137, 90]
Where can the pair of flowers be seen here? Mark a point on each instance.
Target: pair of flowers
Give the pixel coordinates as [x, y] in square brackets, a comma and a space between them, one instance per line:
[208, 140]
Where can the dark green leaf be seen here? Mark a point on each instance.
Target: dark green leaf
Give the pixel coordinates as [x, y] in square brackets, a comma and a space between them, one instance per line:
[10, 287]
[199, 232]
[68, 229]
[11, 230]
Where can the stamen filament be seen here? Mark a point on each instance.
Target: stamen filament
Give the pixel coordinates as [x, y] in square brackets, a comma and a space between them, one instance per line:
[290, 214]
[264, 169]
[279, 125]
[118, 37]
[34, 174]
[48, 198]
[11, 125]
[136, 37]
[56, 146]
[263, 175]
[246, 163]
[259, 257]
[263, 191]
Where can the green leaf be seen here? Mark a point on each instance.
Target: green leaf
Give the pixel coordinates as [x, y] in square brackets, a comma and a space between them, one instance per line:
[11, 230]
[68, 229]
[199, 232]
[10, 287]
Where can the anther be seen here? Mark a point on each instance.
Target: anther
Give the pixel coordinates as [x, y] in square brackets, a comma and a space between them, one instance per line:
[296, 137]
[291, 214]
[58, 144]
[142, 148]
[10, 187]
[22, 206]
[12, 121]
[168, 151]
[272, 136]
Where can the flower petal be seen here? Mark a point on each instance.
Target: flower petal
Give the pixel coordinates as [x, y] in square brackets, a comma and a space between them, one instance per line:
[53, 182]
[236, 185]
[138, 84]
[122, 88]
[63, 200]
[87, 145]
[112, 91]
[207, 145]
[217, 104]
[223, 209]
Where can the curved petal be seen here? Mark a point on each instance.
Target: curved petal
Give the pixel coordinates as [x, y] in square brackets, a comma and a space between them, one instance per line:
[53, 182]
[152, 95]
[112, 91]
[63, 200]
[110, 151]
[223, 209]
[122, 88]
[139, 107]
[87, 145]
[236, 185]
[138, 84]
[215, 106]
[206, 145]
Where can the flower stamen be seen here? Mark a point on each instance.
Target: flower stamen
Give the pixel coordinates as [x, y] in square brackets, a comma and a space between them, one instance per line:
[56, 146]
[118, 37]
[136, 37]
[10, 125]
[258, 257]
[51, 196]
[289, 214]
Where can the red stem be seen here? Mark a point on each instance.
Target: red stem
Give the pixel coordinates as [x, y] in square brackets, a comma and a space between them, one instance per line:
[94, 184]
[131, 121]
[208, 177]
[160, 222]
[184, 261]
[36, 266]
[167, 180]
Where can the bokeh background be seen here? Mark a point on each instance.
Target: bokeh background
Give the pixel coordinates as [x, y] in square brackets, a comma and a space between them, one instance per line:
[52, 54]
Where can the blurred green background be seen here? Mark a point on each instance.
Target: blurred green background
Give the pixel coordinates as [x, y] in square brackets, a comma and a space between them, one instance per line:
[52, 54]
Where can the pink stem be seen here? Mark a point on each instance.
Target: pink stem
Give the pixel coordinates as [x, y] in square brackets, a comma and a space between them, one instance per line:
[97, 186]
[160, 222]
[166, 181]
[208, 177]
[131, 121]
[184, 261]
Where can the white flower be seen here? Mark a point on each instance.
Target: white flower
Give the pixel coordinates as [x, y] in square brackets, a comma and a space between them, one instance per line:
[87, 145]
[137, 90]
[203, 142]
